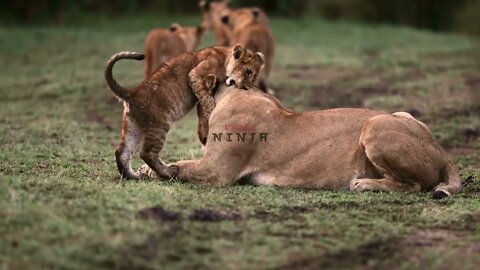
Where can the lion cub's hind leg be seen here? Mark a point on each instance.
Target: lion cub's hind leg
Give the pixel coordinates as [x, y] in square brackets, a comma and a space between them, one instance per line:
[131, 138]
[154, 139]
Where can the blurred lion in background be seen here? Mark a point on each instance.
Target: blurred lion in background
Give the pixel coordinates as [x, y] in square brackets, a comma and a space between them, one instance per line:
[162, 44]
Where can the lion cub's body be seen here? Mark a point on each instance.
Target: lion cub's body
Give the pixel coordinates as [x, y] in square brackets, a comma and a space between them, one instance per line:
[170, 93]
[162, 44]
[333, 149]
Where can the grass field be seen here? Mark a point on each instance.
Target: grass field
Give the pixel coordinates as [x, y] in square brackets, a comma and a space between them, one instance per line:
[62, 204]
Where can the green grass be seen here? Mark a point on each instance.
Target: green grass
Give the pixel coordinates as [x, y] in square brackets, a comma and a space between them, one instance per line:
[62, 204]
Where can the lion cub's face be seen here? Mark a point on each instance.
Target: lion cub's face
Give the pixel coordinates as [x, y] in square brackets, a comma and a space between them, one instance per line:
[243, 66]
[191, 36]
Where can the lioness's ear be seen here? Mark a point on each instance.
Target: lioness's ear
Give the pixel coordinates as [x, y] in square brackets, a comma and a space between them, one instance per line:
[226, 2]
[174, 27]
[238, 51]
[225, 19]
[260, 58]
[211, 81]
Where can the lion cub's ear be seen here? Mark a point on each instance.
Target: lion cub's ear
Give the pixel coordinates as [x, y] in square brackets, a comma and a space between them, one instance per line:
[204, 5]
[211, 81]
[260, 58]
[239, 51]
[174, 27]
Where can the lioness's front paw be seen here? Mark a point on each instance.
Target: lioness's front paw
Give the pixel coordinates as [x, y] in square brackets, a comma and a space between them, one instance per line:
[146, 172]
[172, 171]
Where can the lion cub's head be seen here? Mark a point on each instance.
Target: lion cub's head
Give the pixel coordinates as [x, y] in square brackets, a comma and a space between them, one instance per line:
[243, 66]
[191, 36]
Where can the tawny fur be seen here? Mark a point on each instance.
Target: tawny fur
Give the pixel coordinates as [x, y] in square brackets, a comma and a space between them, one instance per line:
[162, 44]
[212, 12]
[356, 149]
[245, 26]
[172, 91]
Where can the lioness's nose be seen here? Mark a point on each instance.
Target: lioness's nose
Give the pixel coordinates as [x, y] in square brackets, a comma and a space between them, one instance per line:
[230, 82]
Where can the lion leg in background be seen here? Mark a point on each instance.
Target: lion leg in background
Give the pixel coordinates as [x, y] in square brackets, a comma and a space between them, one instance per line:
[131, 138]
[263, 84]
[451, 185]
[154, 139]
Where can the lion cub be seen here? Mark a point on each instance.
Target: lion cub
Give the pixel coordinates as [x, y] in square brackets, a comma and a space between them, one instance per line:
[247, 27]
[170, 93]
[162, 44]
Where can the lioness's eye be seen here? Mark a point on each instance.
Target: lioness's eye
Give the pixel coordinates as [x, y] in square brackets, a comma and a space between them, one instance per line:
[249, 72]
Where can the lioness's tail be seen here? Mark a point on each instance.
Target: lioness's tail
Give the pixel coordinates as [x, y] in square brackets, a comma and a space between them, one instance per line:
[114, 86]
[452, 184]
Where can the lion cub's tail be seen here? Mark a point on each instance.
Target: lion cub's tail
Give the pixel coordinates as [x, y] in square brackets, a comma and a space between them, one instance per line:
[114, 86]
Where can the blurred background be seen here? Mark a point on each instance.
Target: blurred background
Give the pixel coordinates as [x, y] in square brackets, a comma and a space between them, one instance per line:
[439, 15]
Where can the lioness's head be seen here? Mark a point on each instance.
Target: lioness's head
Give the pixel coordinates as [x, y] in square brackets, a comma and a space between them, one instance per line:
[191, 36]
[212, 12]
[243, 66]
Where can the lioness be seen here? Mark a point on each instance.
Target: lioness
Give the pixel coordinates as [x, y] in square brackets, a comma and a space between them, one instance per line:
[245, 27]
[162, 44]
[151, 107]
[212, 12]
[253, 136]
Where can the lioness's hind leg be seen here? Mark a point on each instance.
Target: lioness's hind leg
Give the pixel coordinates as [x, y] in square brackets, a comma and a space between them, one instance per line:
[131, 137]
[152, 145]
[451, 185]
[383, 184]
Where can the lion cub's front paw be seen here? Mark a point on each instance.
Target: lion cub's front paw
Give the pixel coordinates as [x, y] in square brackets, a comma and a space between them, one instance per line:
[146, 172]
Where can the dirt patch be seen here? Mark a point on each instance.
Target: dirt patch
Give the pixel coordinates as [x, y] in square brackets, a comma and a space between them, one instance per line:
[286, 213]
[159, 213]
[472, 221]
[320, 72]
[414, 112]
[473, 81]
[328, 96]
[203, 214]
[471, 134]
[411, 250]
[94, 116]
[209, 215]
